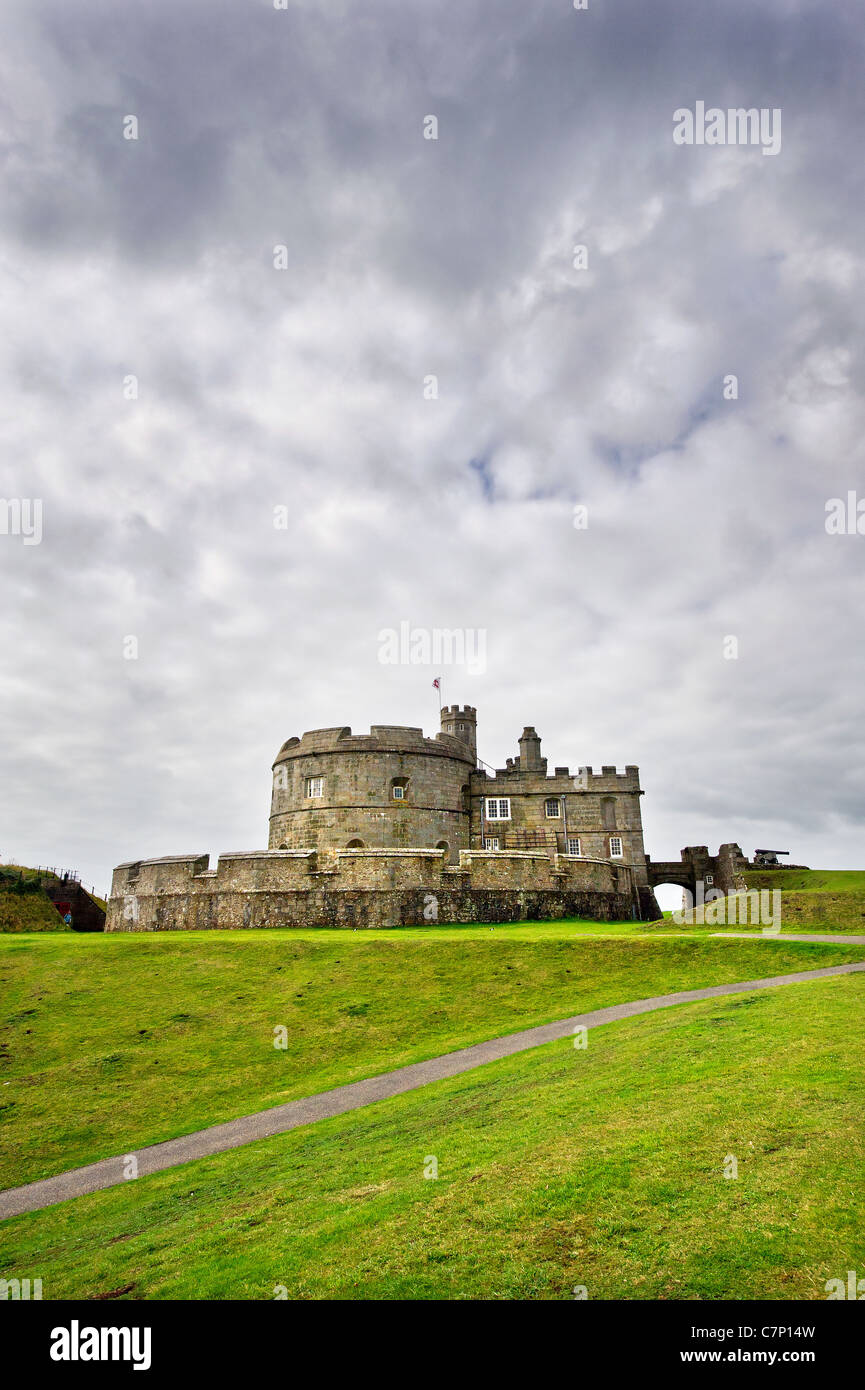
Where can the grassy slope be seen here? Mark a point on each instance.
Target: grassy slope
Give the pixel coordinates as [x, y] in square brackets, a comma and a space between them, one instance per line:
[29, 912]
[809, 880]
[26, 912]
[817, 899]
[558, 1168]
[112, 1042]
[33, 911]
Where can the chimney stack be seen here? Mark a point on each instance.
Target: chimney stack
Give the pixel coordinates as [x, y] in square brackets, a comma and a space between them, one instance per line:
[530, 752]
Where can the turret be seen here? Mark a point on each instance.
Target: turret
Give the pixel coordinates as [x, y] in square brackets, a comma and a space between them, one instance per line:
[462, 723]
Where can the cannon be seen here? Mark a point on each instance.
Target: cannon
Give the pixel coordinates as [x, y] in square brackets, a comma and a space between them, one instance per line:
[766, 858]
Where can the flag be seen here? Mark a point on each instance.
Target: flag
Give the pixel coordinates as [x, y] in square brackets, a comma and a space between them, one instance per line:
[437, 683]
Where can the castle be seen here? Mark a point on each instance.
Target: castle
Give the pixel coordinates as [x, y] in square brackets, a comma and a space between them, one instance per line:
[392, 828]
[392, 788]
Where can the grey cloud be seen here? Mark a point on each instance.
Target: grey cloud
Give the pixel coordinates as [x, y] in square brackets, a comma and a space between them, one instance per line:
[303, 388]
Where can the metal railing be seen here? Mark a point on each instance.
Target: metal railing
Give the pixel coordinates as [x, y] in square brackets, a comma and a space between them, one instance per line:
[42, 871]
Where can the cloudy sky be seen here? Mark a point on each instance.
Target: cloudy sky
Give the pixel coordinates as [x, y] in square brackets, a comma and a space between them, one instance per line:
[286, 484]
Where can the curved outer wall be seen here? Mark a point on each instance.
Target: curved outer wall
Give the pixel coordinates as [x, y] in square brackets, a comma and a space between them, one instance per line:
[358, 804]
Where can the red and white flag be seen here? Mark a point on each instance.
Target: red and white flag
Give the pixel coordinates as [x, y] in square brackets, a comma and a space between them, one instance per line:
[437, 683]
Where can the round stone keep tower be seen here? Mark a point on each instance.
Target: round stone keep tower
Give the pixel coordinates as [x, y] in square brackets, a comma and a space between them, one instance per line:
[389, 789]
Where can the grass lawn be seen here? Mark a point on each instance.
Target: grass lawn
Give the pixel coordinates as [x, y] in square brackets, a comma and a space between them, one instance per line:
[556, 1168]
[817, 899]
[112, 1042]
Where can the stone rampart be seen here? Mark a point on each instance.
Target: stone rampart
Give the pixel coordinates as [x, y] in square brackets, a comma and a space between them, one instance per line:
[364, 888]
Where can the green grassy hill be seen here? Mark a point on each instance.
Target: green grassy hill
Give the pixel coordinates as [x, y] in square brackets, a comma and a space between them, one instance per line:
[24, 907]
[809, 880]
[601, 1167]
[817, 899]
[115, 1041]
[560, 1168]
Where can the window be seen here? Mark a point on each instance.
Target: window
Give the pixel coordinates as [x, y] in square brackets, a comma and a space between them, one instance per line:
[608, 813]
[552, 809]
[492, 842]
[574, 848]
[315, 786]
[498, 808]
[710, 879]
[398, 793]
[615, 846]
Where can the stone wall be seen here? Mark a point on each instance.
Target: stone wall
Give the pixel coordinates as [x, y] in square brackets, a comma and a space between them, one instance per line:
[69, 895]
[363, 888]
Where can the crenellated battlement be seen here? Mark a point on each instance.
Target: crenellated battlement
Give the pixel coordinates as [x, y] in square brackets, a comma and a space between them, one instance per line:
[584, 779]
[608, 779]
[382, 738]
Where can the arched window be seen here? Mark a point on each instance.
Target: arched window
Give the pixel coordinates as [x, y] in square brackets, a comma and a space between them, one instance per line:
[443, 844]
[355, 844]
